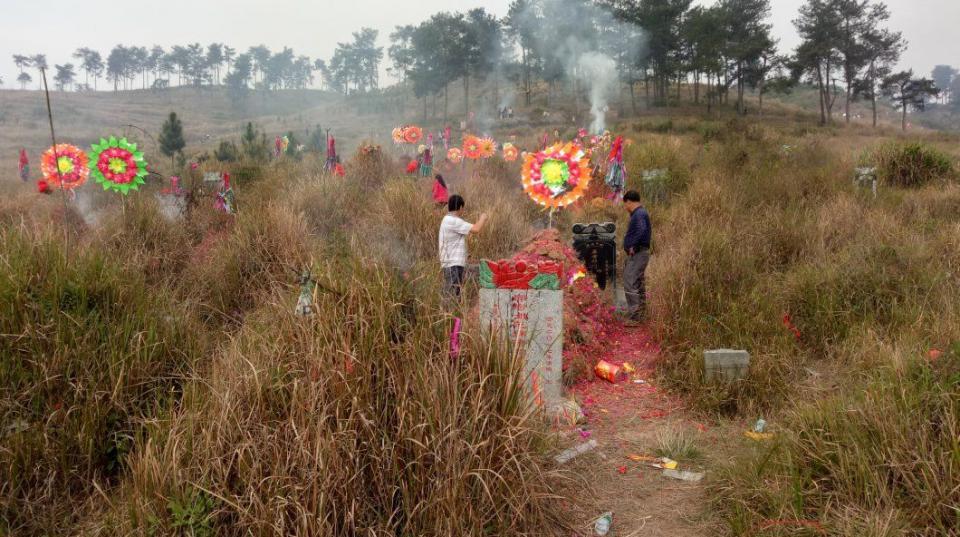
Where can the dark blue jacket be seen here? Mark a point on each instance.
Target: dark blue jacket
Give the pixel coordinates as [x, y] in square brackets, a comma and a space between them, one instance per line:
[638, 232]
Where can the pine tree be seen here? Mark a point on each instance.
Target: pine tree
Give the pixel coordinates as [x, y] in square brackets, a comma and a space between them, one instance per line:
[171, 138]
[227, 152]
[908, 92]
[254, 143]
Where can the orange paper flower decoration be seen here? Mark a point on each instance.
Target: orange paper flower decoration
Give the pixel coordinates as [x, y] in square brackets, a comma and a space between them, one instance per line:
[471, 147]
[455, 155]
[412, 134]
[488, 147]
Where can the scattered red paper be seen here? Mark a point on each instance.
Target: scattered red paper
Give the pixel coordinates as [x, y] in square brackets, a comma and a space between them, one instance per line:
[788, 322]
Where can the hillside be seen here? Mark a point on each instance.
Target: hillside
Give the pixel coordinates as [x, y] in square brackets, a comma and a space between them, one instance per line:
[208, 116]
[156, 380]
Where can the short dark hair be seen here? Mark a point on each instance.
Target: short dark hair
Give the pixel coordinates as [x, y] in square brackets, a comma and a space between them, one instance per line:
[455, 203]
[632, 195]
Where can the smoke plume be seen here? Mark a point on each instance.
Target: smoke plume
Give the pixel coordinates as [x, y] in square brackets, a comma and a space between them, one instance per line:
[599, 73]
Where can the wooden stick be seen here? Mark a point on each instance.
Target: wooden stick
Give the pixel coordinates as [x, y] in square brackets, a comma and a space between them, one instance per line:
[56, 160]
[53, 136]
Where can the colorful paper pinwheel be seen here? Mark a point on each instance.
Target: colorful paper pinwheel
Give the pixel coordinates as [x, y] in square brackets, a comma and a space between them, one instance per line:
[471, 147]
[455, 155]
[510, 152]
[118, 165]
[71, 162]
[557, 176]
[397, 135]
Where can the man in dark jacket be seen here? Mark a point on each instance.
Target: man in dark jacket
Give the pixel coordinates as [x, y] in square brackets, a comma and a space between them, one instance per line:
[636, 243]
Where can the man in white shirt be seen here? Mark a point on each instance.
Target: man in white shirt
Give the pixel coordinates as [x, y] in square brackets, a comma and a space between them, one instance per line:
[453, 245]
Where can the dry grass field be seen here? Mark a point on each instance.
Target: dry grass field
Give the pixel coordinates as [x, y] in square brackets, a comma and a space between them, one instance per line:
[155, 381]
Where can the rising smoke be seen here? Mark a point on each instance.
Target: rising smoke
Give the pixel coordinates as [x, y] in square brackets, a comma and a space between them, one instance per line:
[599, 73]
[594, 50]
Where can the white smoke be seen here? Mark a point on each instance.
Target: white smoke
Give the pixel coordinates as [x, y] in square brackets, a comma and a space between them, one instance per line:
[507, 98]
[590, 57]
[599, 73]
[88, 208]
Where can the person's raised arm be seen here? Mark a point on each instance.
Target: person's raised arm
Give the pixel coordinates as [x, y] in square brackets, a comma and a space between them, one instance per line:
[478, 227]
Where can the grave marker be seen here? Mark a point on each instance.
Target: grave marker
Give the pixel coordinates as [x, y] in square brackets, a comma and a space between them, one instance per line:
[725, 364]
[866, 178]
[532, 319]
[654, 184]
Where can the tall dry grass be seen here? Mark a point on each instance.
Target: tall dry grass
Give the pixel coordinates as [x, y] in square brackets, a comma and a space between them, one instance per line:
[89, 351]
[354, 421]
[786, 234]
[878, 461]
[162, 384]
[765, 240]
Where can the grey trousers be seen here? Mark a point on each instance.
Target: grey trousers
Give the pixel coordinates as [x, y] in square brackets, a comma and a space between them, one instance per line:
[634, 285]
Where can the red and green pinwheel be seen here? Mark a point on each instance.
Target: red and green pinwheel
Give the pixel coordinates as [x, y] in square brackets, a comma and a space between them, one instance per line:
[118, 165]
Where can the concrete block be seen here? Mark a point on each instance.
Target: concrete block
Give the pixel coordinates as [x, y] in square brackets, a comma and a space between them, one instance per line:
[866, 178]
[725, 364]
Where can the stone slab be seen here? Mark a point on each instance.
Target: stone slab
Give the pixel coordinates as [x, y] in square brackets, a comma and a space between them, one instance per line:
[725, 364]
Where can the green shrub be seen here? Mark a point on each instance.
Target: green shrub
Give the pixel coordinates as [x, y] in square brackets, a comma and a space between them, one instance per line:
[911, 164]
[227, 152]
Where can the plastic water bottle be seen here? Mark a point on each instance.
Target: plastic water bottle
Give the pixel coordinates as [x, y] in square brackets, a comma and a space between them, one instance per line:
[602, 526]
[760, 426]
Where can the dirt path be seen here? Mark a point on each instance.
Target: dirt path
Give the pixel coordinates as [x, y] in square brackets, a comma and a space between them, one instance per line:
[628, 418]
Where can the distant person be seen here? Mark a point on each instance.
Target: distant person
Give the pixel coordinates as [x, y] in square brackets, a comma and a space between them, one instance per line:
[23, 166]
[453, 245]
[440, 195]
[636, 243]
[426, 161]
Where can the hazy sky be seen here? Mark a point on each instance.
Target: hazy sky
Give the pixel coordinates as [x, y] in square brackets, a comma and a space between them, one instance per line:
[313, 27]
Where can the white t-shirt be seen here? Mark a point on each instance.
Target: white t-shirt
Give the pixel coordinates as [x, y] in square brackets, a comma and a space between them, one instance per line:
[453, 241]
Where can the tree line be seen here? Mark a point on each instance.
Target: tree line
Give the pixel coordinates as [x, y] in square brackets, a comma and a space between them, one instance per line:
[716, 53]
[127, 67]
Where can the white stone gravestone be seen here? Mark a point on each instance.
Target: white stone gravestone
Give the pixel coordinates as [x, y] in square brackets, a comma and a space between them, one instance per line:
[534, 320]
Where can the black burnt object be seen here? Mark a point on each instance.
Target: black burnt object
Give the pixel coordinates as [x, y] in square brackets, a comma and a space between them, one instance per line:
[596, 246]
